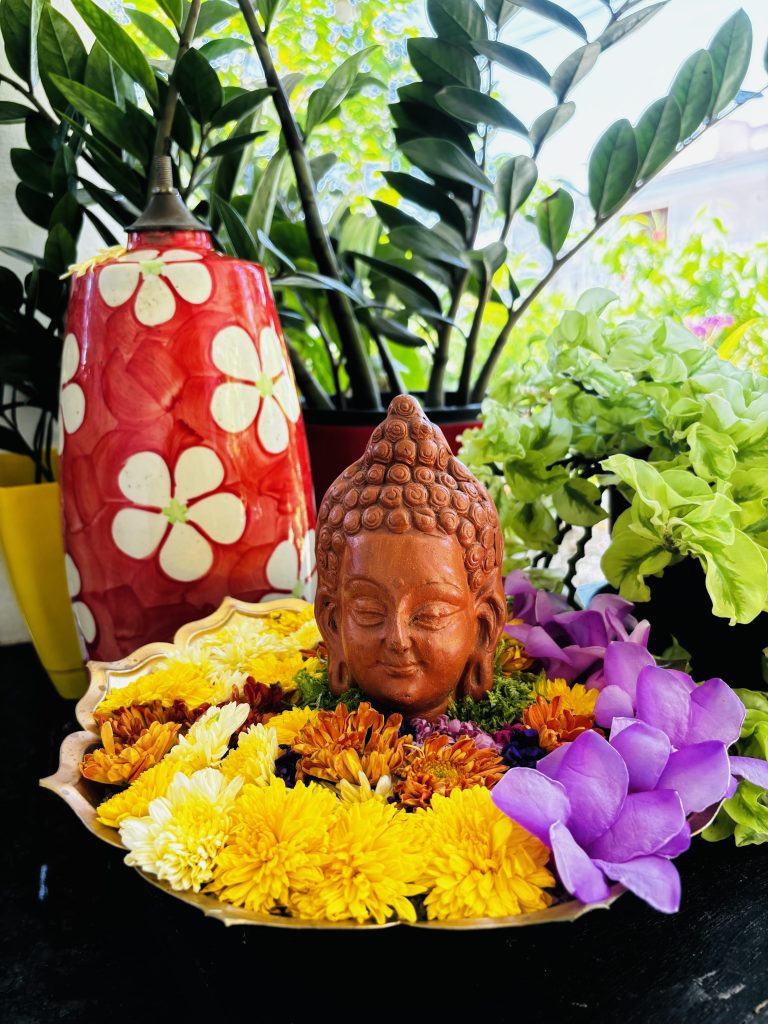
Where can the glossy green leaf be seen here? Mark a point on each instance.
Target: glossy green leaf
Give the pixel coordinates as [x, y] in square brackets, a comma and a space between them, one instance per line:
[60, 250]
[68, 212]
[216, 48]
[730, 51]
[395, 331]
[612, 168]
[570, 71]
[628, 24]
[436, 156]
[241, 240]
[457, 21]
[19, 21]
[323, 101]
[155, 31]
[13, 113]
[553, 219]
[233, 144]
[268, 9]
[657, 135]
[60, 52]
[239, 106]
[551, 121]
[443, 63]
[214, 12]
[552, 12]
[109, 164]
[479, 108]
[514, 59]
[261, 209]
[42, 135]
[31, 169]
[102, 114]
[174, 9]
[64, 171]
[111, 203]
[425, 243]
[397, 273]
[578, 503]
[501, 11]
[514, 183]
[199, 86]
[429, 197]
[36, 206]
[119, 45]
[692, 88]
[315, 282]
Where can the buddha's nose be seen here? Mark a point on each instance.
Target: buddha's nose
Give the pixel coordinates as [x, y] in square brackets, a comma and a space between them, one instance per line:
[399, 637]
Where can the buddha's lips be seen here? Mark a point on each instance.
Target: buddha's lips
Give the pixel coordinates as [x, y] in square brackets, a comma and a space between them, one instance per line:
[407, 668]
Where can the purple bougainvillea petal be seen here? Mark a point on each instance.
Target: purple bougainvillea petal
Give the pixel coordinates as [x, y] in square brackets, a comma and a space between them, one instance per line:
[645, 751]
[653, 879]
[613, 702]
[716, 713]
[595, 778]
[548, 605]
[586, 629]
[614, 610]
[641, 633]
[623, 663]
[578, 874]
[700, 774]
[645, 823]
[683, 677]
[677, 844]
[751, 769]
[532, 800]
[664, 702]
[733, 785]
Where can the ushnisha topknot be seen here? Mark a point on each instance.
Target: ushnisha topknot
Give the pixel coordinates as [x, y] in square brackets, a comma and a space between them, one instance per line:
[408, 479]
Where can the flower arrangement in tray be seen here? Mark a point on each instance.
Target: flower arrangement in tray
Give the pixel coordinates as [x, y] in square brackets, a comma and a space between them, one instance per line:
[229, 770]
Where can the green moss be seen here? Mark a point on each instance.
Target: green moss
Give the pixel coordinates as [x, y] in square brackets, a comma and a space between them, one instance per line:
[313, 687]
[502, 705]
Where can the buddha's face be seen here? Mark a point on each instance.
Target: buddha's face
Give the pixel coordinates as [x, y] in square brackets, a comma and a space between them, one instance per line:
[406, 618]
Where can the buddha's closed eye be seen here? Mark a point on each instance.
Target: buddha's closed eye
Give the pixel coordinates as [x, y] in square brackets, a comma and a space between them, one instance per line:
[434, 616]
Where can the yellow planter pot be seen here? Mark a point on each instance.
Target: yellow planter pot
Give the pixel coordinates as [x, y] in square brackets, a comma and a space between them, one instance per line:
[30, 533]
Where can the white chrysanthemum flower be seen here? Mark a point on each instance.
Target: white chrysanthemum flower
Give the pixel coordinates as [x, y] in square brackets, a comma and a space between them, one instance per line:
[254, 758]
[351, 794]
[180, 838]
[207, 741]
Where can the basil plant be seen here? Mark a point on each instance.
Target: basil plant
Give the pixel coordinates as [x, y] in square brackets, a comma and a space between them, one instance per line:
[644, 409]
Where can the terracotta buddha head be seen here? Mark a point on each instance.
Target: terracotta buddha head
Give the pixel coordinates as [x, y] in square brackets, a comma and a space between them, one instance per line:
[409, 551]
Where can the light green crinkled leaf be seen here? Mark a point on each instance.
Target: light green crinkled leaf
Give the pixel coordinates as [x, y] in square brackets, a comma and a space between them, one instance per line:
[737, 578]
[748, 808]
[594, 300]
[530, 479]
[722, 827]
[753, 700]
[533, 524]
[630, 558]
[578, 502]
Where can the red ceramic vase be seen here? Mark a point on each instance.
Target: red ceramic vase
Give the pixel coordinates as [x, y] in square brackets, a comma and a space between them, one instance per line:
[184, 467]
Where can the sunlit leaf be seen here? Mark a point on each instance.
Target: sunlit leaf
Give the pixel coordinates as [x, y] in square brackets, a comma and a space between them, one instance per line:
[514, 59]
[657, 134]
[457, 21]
[692, 88]
[612, 168]
[479, 108]
[730, 51]
[575, 67]
[553, 219]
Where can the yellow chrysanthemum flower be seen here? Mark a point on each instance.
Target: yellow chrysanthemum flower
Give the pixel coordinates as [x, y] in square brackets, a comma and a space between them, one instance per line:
[289, 723]
[577, 699]
[204, 746]
[134, 802]
[477, 862]
[372, 866]
[181, 837]
[277, 846]
[174, 680]
[253, 760]
[119, 763]
[307, 636]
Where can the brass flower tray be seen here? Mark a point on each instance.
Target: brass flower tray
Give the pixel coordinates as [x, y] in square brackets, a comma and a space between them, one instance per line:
[84, 796]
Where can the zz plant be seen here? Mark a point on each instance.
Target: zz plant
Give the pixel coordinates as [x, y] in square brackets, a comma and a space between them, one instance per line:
[644, 407]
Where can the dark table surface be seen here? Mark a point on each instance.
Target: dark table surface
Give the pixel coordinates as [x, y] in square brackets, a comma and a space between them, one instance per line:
[86, 938]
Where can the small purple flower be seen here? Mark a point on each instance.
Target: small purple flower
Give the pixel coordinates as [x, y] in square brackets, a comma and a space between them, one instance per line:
[285, 767]
[520, 748]
[451, 727]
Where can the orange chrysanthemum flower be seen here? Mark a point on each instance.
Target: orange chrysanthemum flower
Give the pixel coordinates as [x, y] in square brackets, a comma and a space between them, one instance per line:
[128, 723]
[554, 722]
[340, 744]
[440, 766]
[120, 763]
[510, 654]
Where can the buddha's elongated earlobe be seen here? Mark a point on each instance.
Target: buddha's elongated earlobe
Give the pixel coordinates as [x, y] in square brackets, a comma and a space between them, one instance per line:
[477, 677]
[338, 676]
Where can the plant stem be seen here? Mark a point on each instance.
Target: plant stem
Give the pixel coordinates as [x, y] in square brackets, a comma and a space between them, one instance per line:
[196, 161]
[310, 316]
[317, 397]
[396, 384]
[462, 396]
[165, 122]
[362, 380]
[29, 95]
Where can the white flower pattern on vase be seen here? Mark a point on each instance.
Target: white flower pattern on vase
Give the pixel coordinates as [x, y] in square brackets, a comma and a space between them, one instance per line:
[83, 614]
[154, 273]
[291, 572]
[179, 514]
[260, 387]
[72, 397]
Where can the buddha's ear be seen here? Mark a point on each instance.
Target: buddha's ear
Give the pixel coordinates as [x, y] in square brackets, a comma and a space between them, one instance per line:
[326, 611]
[490, 610]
